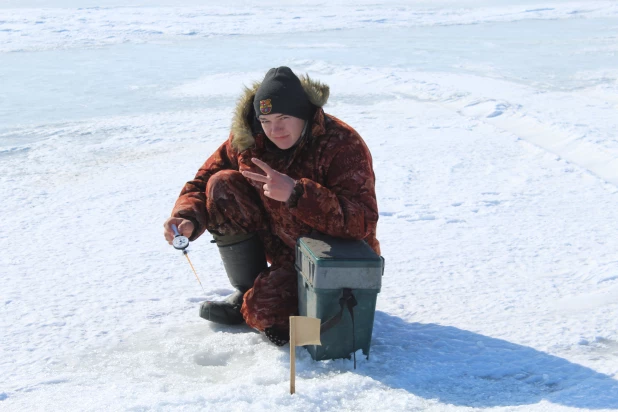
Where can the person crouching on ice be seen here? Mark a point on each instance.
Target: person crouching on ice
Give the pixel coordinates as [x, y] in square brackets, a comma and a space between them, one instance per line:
[287, 169]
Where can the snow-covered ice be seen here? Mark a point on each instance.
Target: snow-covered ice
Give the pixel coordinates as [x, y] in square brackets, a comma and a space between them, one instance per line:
[493, 127]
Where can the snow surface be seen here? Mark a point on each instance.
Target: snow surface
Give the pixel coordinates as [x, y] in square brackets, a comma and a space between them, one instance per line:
[493, 126]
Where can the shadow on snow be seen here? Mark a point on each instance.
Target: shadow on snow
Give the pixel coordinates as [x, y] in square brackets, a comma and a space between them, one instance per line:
[464, 368]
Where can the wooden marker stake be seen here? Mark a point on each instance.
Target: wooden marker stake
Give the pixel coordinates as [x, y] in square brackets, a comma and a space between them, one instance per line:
[292, 357]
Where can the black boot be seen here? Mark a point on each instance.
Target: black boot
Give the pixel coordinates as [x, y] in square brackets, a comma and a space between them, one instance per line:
[277, 335]
[243, 258]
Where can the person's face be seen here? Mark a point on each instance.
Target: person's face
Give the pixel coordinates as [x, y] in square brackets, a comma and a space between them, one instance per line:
[282, 129]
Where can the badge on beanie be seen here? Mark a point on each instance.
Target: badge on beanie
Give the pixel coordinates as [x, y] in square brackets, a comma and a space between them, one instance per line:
[265, 106]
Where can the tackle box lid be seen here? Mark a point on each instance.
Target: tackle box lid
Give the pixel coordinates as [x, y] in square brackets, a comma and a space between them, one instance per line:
[334, 252]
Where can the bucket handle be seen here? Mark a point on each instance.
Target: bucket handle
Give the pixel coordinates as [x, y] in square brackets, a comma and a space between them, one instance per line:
[347, 299]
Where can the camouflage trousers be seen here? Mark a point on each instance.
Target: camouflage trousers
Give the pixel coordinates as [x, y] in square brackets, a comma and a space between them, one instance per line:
[234, 207]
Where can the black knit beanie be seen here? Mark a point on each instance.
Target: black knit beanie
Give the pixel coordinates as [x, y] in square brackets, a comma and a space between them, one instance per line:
[282, 92]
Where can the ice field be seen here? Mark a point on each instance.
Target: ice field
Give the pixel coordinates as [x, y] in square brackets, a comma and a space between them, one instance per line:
[494, 132]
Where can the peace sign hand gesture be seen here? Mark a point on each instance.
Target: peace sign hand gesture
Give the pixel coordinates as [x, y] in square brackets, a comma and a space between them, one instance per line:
[277, 186]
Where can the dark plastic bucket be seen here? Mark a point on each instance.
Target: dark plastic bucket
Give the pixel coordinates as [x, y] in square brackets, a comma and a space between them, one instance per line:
[332, 272]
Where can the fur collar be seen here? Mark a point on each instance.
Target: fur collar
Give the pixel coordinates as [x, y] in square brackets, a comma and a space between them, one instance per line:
[317, 92]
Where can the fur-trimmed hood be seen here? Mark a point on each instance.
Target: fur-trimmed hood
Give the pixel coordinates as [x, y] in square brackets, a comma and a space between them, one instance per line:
[244, 113]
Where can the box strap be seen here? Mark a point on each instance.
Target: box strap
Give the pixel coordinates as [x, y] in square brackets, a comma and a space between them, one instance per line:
[347, 299]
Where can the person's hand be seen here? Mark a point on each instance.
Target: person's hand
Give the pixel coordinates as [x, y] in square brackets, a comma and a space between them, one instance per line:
[185, 228]
[277, 186]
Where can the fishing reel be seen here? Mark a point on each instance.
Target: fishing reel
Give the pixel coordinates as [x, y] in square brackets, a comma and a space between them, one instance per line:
[180, 242]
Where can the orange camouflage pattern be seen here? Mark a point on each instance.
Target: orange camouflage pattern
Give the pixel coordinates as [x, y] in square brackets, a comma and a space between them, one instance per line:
[334, 195]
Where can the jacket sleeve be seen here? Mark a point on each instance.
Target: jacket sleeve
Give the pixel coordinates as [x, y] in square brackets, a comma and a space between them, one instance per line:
[345, 206]
[191, 203]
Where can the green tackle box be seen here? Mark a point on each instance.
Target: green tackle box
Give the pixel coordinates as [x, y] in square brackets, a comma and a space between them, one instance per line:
[338, 283]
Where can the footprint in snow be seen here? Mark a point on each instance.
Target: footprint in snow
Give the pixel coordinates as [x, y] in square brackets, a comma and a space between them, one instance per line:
[422, 218]
[500, 109]
[480, 108]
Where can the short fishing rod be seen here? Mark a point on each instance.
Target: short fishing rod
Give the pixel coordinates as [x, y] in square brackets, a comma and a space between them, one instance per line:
[181, 242]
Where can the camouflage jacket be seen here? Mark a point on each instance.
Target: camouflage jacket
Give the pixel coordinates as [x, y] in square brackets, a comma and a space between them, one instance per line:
[332, 166]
